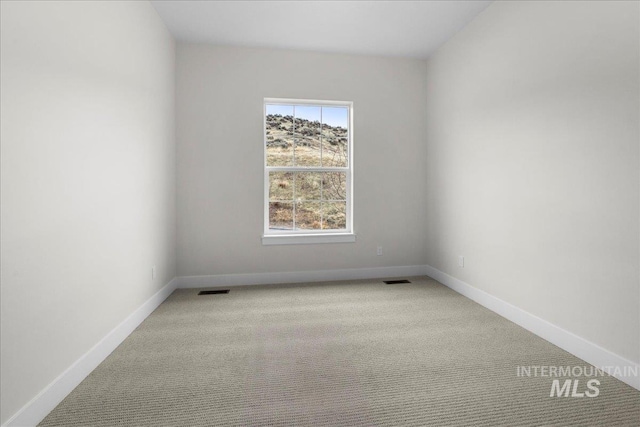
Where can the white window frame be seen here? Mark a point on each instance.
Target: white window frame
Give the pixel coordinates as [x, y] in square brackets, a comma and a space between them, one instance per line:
[292, 237]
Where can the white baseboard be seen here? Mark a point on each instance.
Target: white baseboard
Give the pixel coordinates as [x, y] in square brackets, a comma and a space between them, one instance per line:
[40, 406]
[299, 276]
[579, 347]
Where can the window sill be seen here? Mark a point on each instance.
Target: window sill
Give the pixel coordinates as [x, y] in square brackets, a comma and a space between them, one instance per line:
[307, 239]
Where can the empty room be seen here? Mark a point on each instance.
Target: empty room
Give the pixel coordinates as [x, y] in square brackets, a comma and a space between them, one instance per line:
[320, 213]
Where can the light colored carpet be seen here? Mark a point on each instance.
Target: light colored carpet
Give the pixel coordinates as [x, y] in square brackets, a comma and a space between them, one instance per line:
[357, 353]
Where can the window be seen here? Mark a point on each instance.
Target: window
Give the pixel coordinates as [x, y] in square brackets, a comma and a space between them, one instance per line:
[308, 165]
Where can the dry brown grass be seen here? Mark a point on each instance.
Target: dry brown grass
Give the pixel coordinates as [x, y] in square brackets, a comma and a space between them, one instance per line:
[308, 215]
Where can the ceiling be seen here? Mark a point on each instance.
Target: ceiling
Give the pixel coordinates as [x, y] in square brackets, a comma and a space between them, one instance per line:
[388, 28]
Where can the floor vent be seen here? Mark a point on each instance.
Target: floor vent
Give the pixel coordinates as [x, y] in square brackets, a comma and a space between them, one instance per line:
[395, 282]
[218, 291]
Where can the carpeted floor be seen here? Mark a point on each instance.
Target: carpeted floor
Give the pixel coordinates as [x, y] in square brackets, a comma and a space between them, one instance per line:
[356, 353]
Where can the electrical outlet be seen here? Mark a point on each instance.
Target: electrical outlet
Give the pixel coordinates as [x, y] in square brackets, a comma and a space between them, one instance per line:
[460, 261]
[153, 272]
[379, 251]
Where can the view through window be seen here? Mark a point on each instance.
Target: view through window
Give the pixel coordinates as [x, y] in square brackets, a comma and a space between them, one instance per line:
[307, 166]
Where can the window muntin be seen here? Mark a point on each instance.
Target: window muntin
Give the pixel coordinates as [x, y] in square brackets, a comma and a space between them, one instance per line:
[308, 148]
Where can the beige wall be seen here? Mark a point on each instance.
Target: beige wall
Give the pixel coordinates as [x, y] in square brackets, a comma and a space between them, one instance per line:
[533, 163]
[88, 180]
[219, 108]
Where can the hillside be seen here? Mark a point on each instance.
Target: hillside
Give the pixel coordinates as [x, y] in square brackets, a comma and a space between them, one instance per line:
[306, 200]
[308, 142]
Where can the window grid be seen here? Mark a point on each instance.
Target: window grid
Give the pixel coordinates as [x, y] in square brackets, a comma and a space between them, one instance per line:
[295, 169]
